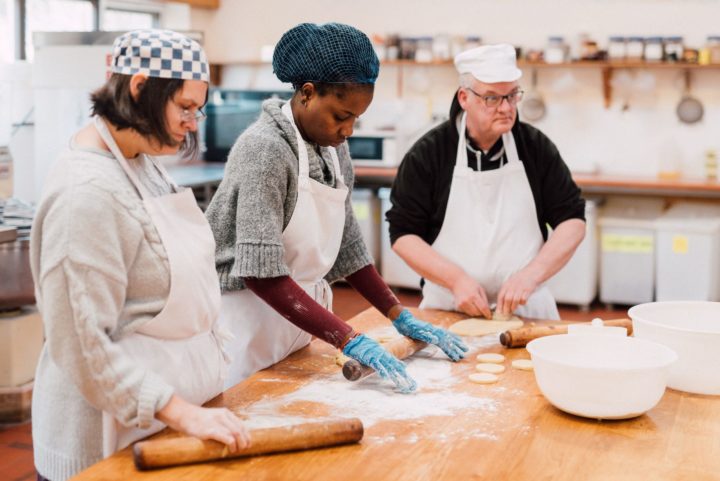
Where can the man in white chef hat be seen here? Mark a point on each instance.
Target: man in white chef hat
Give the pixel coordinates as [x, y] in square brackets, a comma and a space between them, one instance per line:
[473, 199]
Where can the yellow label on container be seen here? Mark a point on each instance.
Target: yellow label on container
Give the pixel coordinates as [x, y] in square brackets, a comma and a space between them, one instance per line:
[680, 244]
[635, 244]
[362, 211]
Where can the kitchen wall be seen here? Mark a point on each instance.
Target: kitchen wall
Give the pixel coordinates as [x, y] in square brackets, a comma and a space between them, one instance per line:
[639, 133]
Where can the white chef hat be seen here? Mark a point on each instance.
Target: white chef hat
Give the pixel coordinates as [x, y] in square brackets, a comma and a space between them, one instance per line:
[489, 63]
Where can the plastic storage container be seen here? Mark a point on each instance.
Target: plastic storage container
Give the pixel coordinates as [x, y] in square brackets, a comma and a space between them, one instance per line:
[688, 253]
[627, 250]
[393, 269]
[367, 211]
[577, 282]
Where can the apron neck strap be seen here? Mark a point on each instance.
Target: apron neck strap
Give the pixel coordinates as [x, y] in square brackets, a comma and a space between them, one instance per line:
[303, 159]
[461, 158]
[107, 137]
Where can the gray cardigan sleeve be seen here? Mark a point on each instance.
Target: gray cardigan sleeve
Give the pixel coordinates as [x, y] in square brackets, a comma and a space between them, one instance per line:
[259, 176]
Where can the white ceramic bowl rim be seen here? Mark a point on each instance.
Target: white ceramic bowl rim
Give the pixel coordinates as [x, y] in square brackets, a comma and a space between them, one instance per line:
[633, 313]
[671, 356]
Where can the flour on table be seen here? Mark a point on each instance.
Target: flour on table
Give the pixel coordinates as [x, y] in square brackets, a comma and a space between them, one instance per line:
[373, 399]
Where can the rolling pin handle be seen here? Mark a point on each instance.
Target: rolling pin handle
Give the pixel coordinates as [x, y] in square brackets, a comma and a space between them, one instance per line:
[505, 338]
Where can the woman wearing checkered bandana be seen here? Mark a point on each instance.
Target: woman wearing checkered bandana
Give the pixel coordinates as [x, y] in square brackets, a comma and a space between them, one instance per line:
[123, 265]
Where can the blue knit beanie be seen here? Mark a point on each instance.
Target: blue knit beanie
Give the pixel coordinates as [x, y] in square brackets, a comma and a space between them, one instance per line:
[331, 53]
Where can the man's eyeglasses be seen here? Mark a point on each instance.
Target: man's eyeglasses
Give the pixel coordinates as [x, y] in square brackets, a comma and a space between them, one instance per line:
[494, 101]
[187, 115]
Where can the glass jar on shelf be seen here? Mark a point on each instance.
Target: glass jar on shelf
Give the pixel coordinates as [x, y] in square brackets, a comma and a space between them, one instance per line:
[617, 48]
[408, 45]
[713, 47]
[442, 47]
[424, 49]
[556, 50]
[635, 49]
[674, 49]
[654, 49]
[472, 41]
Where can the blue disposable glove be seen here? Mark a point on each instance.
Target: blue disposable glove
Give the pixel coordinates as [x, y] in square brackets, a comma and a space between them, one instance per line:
[370, 353]
[452, 345]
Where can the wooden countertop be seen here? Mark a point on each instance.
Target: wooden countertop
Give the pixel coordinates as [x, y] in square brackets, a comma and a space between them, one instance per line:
[510, 433]
[589, 183]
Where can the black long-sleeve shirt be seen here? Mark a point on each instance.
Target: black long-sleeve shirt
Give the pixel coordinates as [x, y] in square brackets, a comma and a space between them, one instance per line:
[421, 188]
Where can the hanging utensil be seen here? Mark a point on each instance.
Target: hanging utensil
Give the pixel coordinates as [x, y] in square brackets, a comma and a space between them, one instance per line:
[689, 110]
[533, 105]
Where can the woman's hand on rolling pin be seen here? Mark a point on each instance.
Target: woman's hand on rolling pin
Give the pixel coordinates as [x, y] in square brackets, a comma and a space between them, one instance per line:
[219, 424]
[409, 326]
[369, 352]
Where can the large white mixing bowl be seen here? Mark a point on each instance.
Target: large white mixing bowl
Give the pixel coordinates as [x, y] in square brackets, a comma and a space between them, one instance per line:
[692, 330]
[603, 377]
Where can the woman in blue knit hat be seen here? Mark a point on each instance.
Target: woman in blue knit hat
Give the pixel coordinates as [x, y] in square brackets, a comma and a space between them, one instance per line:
[283, 222]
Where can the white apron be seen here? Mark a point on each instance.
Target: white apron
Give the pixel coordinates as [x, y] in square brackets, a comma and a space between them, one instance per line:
[311, 242]
[181, 344]
[490, 230]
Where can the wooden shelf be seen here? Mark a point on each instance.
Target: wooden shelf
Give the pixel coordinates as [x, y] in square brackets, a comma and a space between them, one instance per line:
[606, 67]
[589, 183]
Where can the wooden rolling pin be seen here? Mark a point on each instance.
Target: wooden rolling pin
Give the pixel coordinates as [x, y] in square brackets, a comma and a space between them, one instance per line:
[520, 337]
[176, 451]
[401, 348]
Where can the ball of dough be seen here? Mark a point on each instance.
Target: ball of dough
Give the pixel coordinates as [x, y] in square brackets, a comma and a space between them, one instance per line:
[491, 357]
[523, 364]
[483, 378]
[491, 368]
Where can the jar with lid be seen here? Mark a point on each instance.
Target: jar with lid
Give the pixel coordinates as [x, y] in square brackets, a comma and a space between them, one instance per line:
[711, 165]
[654, 49]
[713, 46]
[392, 47]
[674, 49]
[407, 48]
[424, 49]
[441, 47]
[635, 48]
[556, 50]
[472, 41]
[617, 48]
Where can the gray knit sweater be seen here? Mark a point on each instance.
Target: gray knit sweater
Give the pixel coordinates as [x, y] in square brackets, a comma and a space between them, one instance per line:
[257, 197]
[100, 272]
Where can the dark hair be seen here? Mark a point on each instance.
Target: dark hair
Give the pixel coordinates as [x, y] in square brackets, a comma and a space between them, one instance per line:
[146, 115]
[339, 89]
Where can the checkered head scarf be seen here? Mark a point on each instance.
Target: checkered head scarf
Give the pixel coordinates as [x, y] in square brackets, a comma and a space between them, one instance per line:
[331, 53]
[159, 53]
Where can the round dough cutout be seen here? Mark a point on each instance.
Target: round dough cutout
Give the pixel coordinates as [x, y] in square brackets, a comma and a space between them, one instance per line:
[491, 357]
[523, 364]
[491, 368]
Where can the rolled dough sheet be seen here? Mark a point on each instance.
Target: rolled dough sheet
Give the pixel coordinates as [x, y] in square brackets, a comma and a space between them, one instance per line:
[482, 327]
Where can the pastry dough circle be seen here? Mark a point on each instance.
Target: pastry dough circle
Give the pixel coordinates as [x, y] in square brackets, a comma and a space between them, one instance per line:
[493, 357]
[491, 368]
[523, 364]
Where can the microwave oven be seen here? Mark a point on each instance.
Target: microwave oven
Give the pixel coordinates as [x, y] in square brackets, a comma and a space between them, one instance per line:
[374, 150]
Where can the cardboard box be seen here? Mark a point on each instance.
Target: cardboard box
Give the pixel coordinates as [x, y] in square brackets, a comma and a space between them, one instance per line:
[21, 339]
[15, 403]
